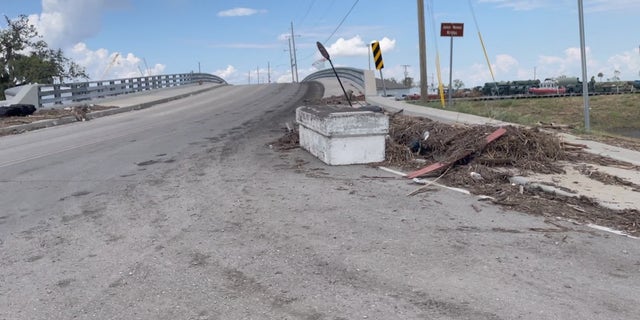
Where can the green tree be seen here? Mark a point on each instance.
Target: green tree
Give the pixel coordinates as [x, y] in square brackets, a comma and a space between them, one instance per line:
[458, 84]
[26, 58]
[408, 82]
[616, 75]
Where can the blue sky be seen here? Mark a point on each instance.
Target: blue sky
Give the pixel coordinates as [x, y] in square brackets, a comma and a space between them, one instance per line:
[239, 39]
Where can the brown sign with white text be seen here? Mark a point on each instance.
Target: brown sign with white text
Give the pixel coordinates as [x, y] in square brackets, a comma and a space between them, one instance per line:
[451, 29]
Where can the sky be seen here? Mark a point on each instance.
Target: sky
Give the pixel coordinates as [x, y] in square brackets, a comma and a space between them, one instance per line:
[248, 41]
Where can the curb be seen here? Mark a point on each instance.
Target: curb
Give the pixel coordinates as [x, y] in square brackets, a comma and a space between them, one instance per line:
[93, 115]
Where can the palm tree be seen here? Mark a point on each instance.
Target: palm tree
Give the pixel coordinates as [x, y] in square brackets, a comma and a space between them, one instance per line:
[600, 75]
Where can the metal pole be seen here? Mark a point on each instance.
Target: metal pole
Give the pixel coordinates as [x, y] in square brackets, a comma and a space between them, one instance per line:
[450, 91]
[293, 79]
[423, 52]
[340, 82]
[583, 56]
[295, 59]
[269, 71]
[384, 87]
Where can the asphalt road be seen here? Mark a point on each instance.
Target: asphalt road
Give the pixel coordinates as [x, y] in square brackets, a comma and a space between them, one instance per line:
[184, 211]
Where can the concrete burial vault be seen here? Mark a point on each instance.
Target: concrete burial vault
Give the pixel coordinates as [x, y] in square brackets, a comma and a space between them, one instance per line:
[340, 135]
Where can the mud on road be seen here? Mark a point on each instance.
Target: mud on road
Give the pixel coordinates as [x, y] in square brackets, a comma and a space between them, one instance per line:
[487, 170]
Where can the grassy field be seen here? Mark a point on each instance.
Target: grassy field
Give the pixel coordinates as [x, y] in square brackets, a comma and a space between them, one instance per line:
[609, 114]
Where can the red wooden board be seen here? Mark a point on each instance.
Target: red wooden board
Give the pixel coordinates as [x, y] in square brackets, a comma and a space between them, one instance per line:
[439, 165]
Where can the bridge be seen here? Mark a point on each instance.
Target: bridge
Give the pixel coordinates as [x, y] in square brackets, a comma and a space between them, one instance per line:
[43, 95]
[47, 95]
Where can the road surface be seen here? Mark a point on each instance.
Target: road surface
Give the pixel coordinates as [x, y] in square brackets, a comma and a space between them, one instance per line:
[185, 211]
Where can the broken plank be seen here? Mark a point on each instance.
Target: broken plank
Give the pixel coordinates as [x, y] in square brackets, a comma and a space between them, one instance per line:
[427, 169]
[439, 165]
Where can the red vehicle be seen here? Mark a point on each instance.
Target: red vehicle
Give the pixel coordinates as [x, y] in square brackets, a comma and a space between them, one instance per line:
[548, 87]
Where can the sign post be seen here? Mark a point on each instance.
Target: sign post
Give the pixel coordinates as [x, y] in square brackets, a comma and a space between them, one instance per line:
[377, 57]
[325, 55]
[448, 29]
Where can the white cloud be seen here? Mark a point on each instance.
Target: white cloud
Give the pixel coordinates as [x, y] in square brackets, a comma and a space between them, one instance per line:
[589, 6]
[568, 64]
[101, 65]
[239, 12]
[519, 5]
[505, 64]
[627, 62]
[226, 73]
[64, 23]
[611, 5]
[357, 47]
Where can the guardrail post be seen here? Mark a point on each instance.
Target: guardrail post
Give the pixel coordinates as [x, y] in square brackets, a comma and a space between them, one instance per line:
[56, 94]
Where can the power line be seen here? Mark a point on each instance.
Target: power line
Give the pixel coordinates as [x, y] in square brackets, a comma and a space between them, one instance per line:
[336, 29]
[341, 22]
[306, 13]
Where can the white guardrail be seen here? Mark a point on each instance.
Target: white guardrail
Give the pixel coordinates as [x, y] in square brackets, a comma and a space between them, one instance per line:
[47, 95]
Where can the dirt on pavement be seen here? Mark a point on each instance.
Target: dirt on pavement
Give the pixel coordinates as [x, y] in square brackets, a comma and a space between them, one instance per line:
[488, 169]
[46, 114]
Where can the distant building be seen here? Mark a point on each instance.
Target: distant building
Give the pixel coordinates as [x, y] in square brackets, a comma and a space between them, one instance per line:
[394, 88]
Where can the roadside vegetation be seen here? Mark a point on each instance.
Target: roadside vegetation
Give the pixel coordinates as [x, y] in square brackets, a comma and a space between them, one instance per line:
[610, 115]
[26, 58]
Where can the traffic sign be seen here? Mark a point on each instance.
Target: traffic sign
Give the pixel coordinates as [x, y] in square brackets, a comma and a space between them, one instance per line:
[448, 29]
[325, 54]
[322, 50]
[377, 55]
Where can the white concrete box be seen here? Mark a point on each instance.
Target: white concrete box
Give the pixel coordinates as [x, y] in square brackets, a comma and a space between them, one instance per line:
[340, 135]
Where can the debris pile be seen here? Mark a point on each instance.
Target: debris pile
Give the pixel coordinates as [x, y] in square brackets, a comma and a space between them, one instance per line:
[79, 112]
[414, 141]
[483, 158]
[290, 140]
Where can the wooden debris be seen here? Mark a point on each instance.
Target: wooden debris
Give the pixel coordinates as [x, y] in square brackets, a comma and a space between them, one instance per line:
[439, 165]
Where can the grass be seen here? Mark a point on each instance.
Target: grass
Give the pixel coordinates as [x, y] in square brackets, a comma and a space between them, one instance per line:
[608, 113]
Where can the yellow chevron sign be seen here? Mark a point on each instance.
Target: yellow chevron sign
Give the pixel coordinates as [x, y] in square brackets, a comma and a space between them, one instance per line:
[377, 55]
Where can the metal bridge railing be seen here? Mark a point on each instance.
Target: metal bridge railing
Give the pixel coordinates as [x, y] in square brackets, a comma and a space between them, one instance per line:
[353, 74]
[79, 91]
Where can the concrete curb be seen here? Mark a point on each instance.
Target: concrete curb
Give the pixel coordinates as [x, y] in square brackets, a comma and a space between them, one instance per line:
[93, 115]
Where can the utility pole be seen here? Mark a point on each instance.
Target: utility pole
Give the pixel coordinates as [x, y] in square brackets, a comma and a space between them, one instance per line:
[258, 73]
[269, 72]
[295, 59]
[423, 52]
[293, 78]
[406, 73]
[199, 67]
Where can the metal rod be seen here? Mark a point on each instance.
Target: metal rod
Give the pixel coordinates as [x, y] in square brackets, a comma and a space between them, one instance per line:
[583, 56]
[293, 78]
[295, 58]
[384, 86]
[449, 92]
[341, 86]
